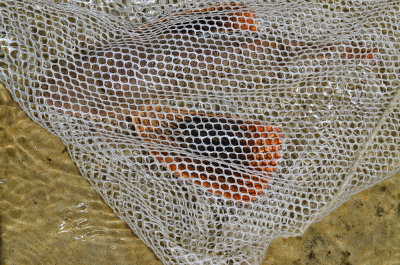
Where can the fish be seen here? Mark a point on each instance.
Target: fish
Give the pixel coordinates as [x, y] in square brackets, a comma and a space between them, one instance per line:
[228, 155]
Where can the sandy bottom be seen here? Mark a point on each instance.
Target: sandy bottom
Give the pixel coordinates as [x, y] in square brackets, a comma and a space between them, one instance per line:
[50, 215]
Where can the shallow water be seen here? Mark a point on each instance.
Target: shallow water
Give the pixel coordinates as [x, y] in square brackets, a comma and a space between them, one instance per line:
[50, 215]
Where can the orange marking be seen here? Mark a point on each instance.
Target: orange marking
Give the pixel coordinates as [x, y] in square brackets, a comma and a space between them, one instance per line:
[253, 145]
[241, 20]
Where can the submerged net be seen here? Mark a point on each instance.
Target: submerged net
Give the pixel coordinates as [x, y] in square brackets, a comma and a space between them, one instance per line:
[213, 127]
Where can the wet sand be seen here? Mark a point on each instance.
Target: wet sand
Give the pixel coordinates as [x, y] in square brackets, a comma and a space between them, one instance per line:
[49, 214]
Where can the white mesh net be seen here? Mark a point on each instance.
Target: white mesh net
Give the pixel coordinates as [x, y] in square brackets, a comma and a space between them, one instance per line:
[213, 127]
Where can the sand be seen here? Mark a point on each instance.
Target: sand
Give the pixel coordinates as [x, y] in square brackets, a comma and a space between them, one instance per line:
[49, 214]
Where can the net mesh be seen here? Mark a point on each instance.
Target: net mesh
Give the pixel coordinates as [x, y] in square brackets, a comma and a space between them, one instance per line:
[213, 127]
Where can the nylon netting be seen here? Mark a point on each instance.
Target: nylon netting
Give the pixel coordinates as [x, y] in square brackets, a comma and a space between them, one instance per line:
[213, 127]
